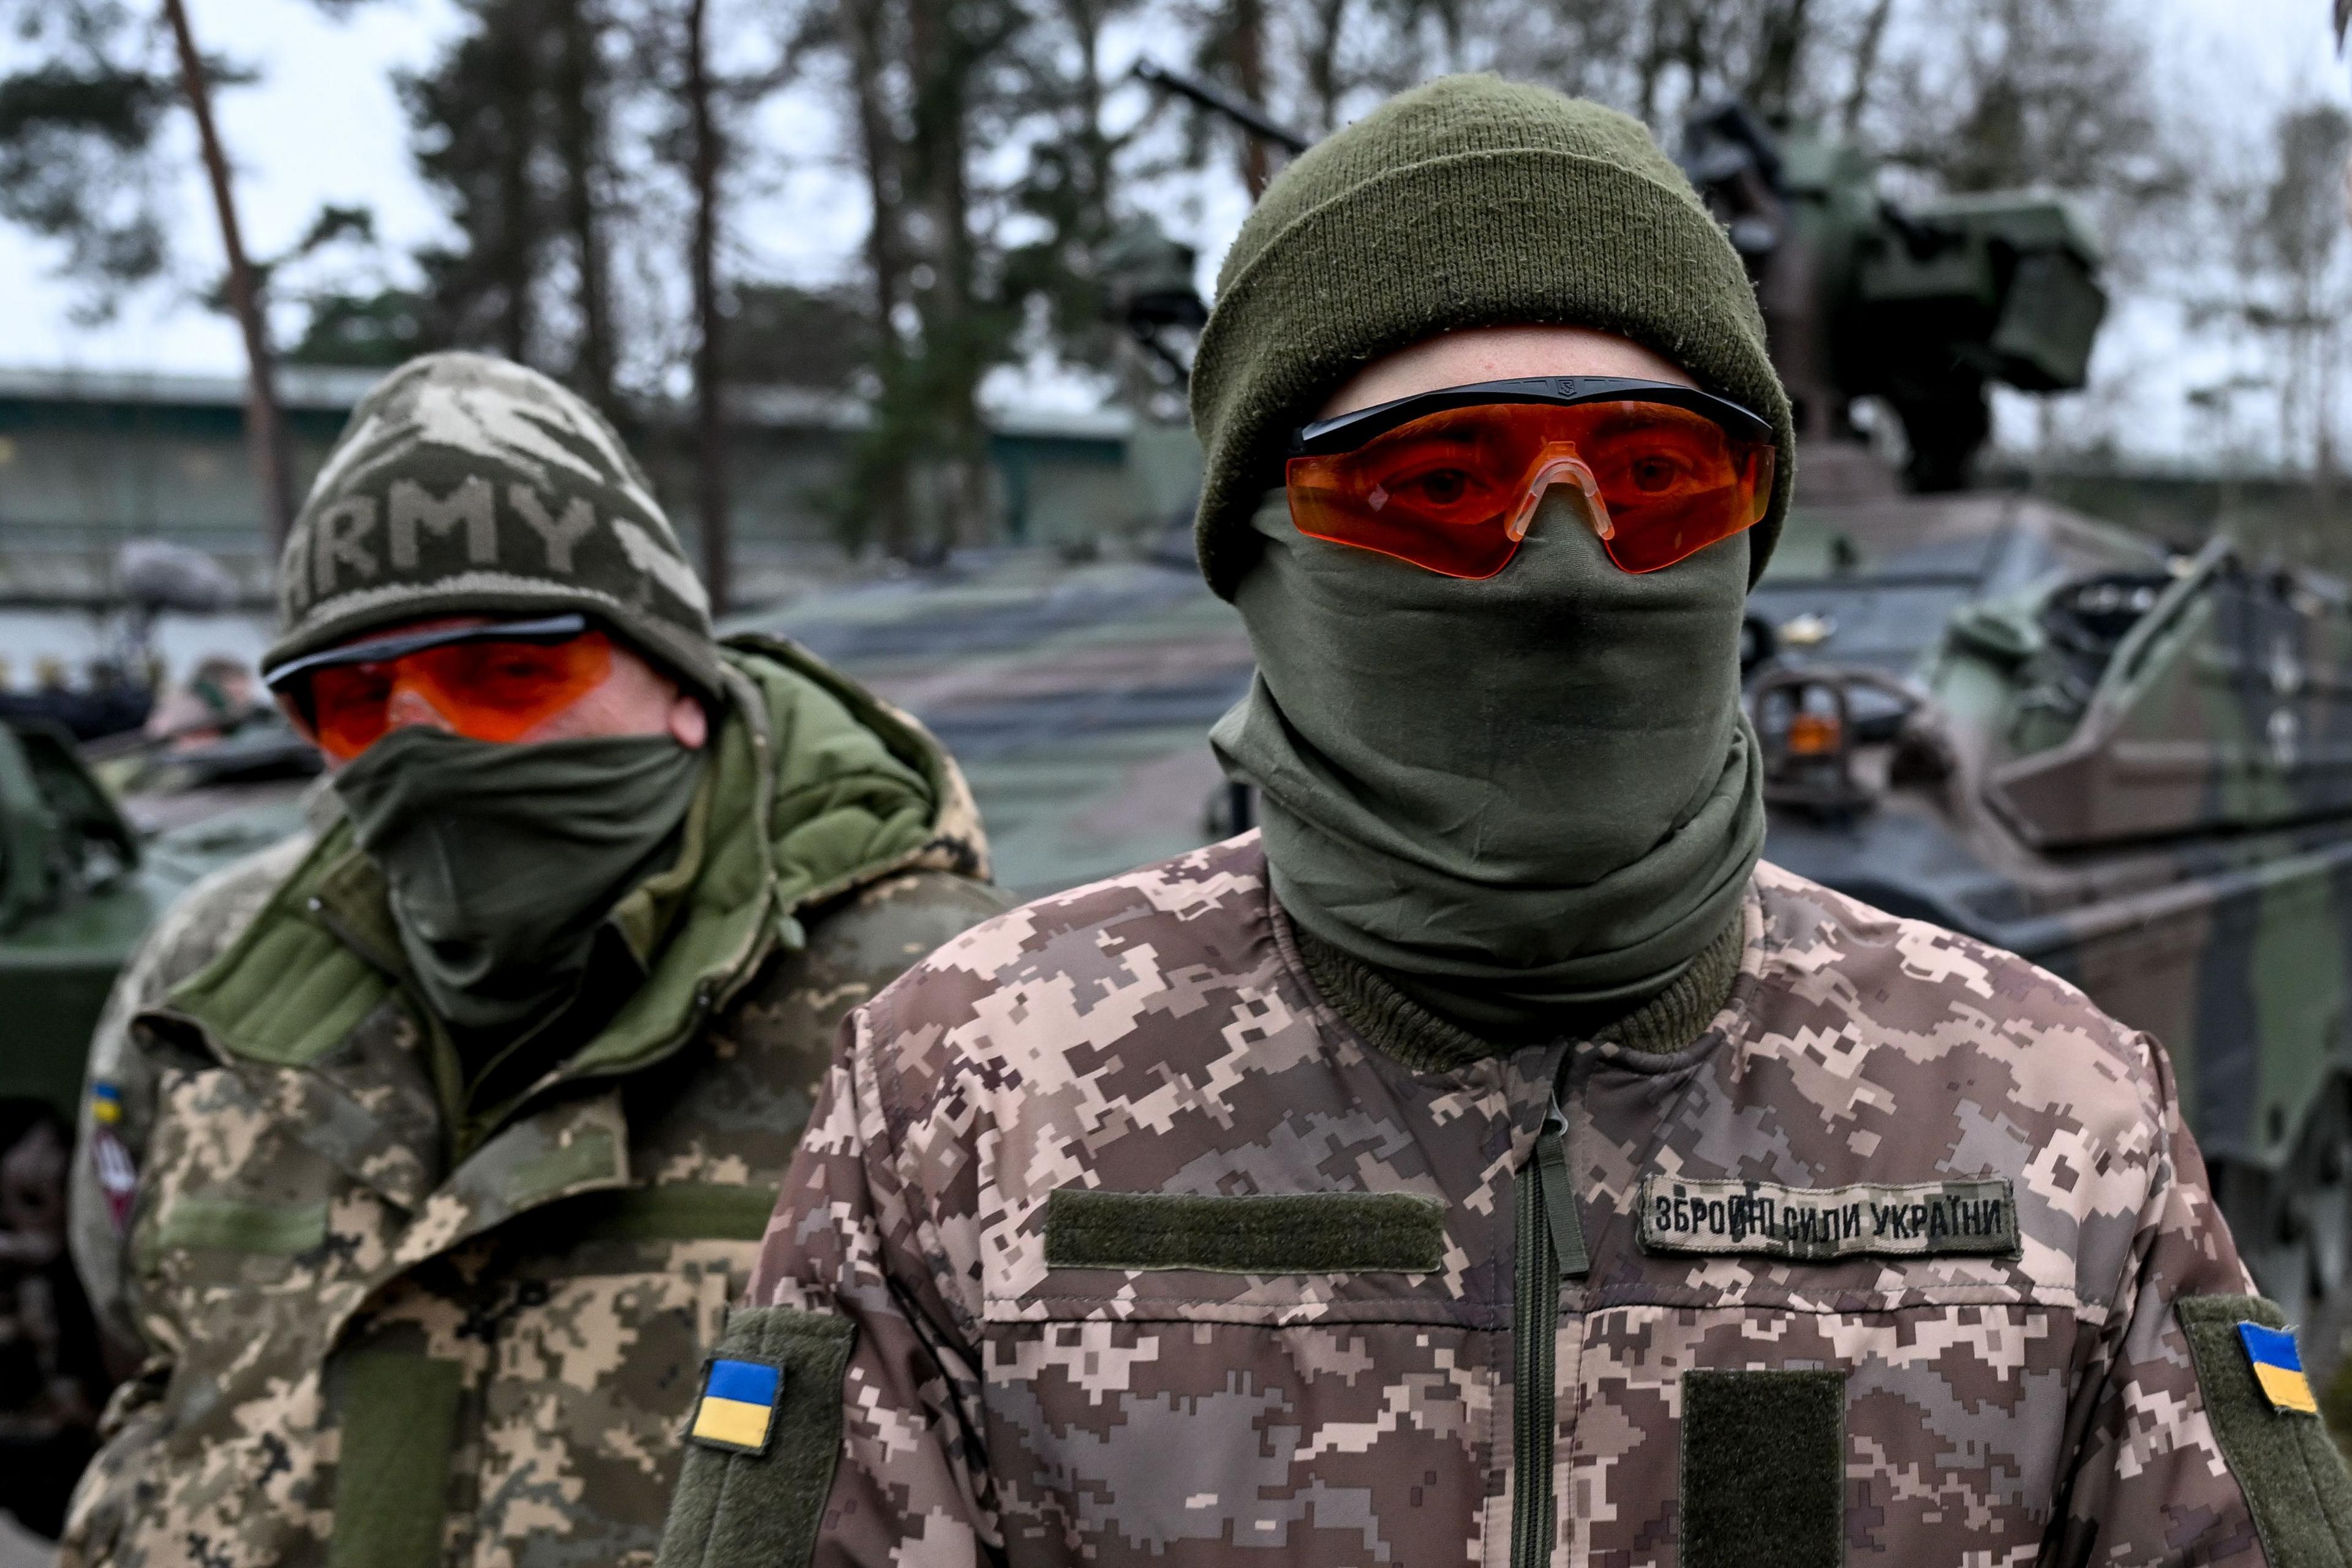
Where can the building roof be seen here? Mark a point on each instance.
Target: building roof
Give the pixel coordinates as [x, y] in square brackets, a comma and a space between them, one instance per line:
[299, 386]
[337, 390]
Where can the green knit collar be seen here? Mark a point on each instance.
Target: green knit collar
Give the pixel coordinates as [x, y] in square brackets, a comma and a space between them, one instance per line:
[1398, 1026]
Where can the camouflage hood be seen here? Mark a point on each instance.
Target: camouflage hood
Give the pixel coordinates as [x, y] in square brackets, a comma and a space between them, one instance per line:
[815, 788]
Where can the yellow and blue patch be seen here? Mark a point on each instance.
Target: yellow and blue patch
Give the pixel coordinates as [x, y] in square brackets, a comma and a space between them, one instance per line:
[2278, 1367]
[105, 1103]
[738, 1410]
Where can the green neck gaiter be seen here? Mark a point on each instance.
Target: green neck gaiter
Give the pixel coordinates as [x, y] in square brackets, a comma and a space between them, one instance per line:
[1525, 801]
[501, 860]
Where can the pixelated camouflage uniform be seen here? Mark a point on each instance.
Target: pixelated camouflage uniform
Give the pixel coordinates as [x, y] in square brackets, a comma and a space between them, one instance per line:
[1156, 1034]
[358, 1355]
[120, 1077]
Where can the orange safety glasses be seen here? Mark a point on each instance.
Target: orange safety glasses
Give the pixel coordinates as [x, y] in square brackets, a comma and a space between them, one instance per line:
[492, 682]
[1449, 480]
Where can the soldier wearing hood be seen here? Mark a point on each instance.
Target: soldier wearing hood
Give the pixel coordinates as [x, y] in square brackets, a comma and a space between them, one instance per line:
[442, 1137]
[1494, 1160]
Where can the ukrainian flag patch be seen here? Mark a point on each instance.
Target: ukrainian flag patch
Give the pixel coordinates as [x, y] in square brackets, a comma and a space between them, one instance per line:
[738, 1410]
[2278, 1367]
[105, 1103]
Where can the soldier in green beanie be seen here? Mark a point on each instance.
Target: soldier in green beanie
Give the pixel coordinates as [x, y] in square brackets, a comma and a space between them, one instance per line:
[437, 1143]
[1495, 1162]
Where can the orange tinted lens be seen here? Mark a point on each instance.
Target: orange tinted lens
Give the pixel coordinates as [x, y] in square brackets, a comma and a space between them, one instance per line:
[1441, 491]
[497, 690]
[1438, 492]
[348, 704]
[488, 690]
[1675, 482]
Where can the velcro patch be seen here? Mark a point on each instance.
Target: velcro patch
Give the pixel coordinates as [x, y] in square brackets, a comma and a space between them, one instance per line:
[1916, 1219]
[2293, 1480]
[738, 1409]
[1246, 1233]
[1763, 1469]
[2278, 1368]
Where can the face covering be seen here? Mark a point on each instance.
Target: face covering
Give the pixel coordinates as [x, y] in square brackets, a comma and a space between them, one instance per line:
[502, 859]
[1520, 800]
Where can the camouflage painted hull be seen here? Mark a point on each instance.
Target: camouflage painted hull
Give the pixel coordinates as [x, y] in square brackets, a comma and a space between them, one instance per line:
[1074, 699]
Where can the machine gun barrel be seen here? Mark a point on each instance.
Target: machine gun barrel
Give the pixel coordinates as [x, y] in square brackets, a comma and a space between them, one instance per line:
[1209, 95]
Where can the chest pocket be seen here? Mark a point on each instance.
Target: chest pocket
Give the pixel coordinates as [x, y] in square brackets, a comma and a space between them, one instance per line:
[1765, 1432]
[235, 1221]
[1184, 1374]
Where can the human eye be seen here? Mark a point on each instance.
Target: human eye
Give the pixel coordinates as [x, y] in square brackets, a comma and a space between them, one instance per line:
[1662, 464]
[1443, 484]
[352, 683]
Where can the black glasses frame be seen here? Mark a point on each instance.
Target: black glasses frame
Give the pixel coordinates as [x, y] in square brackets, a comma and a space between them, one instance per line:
[380, 650]
[1346, 432]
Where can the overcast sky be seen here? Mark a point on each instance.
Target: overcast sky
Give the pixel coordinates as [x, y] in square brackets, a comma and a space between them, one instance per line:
[325, 126]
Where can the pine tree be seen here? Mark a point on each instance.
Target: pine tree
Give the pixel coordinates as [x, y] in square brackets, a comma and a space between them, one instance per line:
[80, 105]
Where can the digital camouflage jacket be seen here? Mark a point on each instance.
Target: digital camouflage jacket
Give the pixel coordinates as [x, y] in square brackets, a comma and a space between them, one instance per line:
[1108, 1242]
[358, 1355]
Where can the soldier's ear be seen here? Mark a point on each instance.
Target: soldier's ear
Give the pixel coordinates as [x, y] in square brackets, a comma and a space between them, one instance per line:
[690, 721]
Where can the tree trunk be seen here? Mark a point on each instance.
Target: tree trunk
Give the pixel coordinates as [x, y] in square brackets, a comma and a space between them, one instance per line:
[1666, 20]
[264, 431]
[579, 142]
[1249, 76]
[1323, 64]
[1865, 64]
[951, 306]
[1781, 47]
[884, 490]
[516, 256]
[1086, 21]
[709, 361]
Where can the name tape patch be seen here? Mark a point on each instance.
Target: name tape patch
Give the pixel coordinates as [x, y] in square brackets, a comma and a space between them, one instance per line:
[2278, 1368]
[738, 1410]
[1918, 1219]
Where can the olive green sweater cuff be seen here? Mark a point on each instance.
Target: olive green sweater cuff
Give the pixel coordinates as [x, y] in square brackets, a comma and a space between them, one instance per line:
[1401, 1028]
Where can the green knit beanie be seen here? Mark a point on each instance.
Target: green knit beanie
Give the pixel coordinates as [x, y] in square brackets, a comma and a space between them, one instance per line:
[469, 485]
[1469, 202]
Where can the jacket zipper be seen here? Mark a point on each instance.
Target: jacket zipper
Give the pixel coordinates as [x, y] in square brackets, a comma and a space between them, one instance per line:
[1550, 1248]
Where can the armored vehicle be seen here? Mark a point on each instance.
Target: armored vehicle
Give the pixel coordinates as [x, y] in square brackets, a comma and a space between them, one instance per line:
[2126, 762]
[81, 878]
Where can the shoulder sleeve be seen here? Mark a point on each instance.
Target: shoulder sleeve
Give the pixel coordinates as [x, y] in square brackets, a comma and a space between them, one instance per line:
[873, 1452]
[779, 1031]
[116, 1117]
[877, 933]
[2153, 1480]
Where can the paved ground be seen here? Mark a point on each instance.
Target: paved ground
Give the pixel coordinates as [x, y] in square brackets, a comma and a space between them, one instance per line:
[1076, 698]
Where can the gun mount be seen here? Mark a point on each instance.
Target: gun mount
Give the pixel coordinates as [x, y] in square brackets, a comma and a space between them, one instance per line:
[1922, 306]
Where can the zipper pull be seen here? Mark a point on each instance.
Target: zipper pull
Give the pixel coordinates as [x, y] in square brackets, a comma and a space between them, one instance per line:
[1560, 1195]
